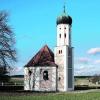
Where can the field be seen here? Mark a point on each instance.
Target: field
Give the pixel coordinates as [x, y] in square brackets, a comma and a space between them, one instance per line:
[17, 80]
[83, 94]
[51, 96]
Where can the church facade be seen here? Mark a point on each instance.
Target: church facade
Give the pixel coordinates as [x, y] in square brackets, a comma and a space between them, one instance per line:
[48, 71]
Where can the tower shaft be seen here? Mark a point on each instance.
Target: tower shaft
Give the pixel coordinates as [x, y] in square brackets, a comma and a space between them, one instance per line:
[64, 54]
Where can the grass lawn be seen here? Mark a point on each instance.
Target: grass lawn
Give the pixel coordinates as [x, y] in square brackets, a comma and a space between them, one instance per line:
[54, 96]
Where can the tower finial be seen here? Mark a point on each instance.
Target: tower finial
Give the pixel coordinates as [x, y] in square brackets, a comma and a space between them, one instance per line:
[64, 6]
[64, 9]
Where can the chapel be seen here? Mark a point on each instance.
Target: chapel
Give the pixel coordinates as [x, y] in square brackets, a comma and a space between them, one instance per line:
[53, 71]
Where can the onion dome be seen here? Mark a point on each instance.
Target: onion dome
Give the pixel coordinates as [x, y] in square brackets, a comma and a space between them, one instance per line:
[64, 19]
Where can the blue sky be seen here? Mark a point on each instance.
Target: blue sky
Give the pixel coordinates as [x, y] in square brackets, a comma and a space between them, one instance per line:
[34, 24]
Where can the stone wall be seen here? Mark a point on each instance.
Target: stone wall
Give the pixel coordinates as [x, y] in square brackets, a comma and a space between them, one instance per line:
[36, 82]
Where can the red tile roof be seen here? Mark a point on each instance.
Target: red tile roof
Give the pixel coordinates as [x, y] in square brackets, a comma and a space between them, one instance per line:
[45, 57]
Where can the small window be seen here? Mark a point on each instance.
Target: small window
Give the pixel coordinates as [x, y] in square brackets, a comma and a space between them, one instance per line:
[64, 27]
[60, 28]
[60, 35]
[29, 72]
[45, 75]
[65, 35]
[59, 51]
[59, 78]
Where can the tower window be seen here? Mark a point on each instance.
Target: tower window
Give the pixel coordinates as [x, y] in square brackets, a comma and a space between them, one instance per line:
[45, 75]
[65, 35]
[60, 35]
[59, 51]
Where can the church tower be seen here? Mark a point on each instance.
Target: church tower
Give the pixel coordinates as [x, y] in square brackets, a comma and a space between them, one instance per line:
[64, 53]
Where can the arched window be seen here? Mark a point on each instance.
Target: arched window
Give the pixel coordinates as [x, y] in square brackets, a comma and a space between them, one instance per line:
[59, 35]
[65, 35]
[29, 72]
[45, 75]
[59, 51]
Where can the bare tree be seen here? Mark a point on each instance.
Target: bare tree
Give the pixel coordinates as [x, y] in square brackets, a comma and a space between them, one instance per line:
[7, 41]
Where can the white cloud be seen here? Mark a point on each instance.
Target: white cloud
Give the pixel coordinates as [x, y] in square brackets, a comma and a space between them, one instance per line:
[94, 51]
[97, 62]
[83, 60]
[86, 70]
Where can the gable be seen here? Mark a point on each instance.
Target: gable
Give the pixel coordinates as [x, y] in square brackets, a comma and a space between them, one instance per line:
[44, 57]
